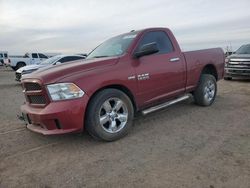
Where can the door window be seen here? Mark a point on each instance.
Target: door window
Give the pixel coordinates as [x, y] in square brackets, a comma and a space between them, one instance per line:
[64, 59]
[73, 58]
[160, 38]
[42, 56]
[34, 56]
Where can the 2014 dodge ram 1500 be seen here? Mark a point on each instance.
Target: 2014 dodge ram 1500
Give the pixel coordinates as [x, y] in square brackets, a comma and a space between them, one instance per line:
[139, 71]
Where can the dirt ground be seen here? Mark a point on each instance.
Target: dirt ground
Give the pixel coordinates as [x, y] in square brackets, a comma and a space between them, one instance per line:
[182, 146]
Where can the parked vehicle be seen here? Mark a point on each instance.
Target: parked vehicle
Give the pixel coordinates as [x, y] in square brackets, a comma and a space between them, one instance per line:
[141, 71]
[238, 64]
[46, 63]
[27, 59]
[4, 58]
[83, 54]
[49, 55]
[228, 53]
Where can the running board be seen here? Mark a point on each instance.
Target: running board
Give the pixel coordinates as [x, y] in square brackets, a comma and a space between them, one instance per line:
[164, 105]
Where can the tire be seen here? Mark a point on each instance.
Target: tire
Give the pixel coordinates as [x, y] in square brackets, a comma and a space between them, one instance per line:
[205, 93]
[109, 115]
[227, 78]
[19, 65]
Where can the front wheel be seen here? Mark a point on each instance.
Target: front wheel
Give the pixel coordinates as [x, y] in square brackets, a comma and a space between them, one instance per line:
[109, 115]
[205, 93]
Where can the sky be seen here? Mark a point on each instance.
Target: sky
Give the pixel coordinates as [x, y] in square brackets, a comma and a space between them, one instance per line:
[78, 26]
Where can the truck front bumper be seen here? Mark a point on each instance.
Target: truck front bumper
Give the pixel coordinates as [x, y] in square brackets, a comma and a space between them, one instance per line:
[237, 72]
[57, 117]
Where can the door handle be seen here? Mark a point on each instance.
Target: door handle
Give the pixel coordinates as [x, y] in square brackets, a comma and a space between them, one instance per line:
[175, 59]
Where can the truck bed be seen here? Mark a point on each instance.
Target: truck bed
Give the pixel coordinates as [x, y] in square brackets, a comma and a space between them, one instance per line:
[197, 60]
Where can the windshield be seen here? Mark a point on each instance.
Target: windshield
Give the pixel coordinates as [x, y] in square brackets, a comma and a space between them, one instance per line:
[50, 60]
[245, 49]
[113, 47]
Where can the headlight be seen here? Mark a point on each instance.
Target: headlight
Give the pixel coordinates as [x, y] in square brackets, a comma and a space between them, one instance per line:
[63, 91]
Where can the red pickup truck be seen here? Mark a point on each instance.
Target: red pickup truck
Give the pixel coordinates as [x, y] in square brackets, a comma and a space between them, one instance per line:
[140, 71]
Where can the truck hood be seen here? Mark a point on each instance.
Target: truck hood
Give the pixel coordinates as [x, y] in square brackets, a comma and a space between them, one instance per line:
[239, 56]
[56, 73]
[30, 67]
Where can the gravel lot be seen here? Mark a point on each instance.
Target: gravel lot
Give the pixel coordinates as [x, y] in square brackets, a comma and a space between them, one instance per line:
[182, 146]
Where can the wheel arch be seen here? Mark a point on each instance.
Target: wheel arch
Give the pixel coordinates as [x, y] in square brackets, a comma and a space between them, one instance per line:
[210, 69]
[20, 62]
[120, 87]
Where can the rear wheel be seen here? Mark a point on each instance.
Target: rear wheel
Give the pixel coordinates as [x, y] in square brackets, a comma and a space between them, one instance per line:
[19, 65]
[109, 115]
[205, 93]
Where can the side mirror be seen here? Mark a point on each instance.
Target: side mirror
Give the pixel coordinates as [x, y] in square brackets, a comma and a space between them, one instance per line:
[57, 63]
[147, 49]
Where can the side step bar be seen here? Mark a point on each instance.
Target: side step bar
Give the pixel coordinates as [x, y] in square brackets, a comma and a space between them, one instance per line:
[164, 105]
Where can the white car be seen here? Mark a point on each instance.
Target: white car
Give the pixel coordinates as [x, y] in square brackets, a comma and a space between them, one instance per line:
[48, 62]
[17, 62]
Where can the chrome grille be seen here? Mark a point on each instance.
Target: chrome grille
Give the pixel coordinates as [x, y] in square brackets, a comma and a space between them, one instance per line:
[34, 93]
[242, 62]
[30, 86]
[37, 99]
[239, 71]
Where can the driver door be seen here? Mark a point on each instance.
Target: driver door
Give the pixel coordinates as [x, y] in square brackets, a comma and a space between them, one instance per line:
[34, 58]
[158, 76]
